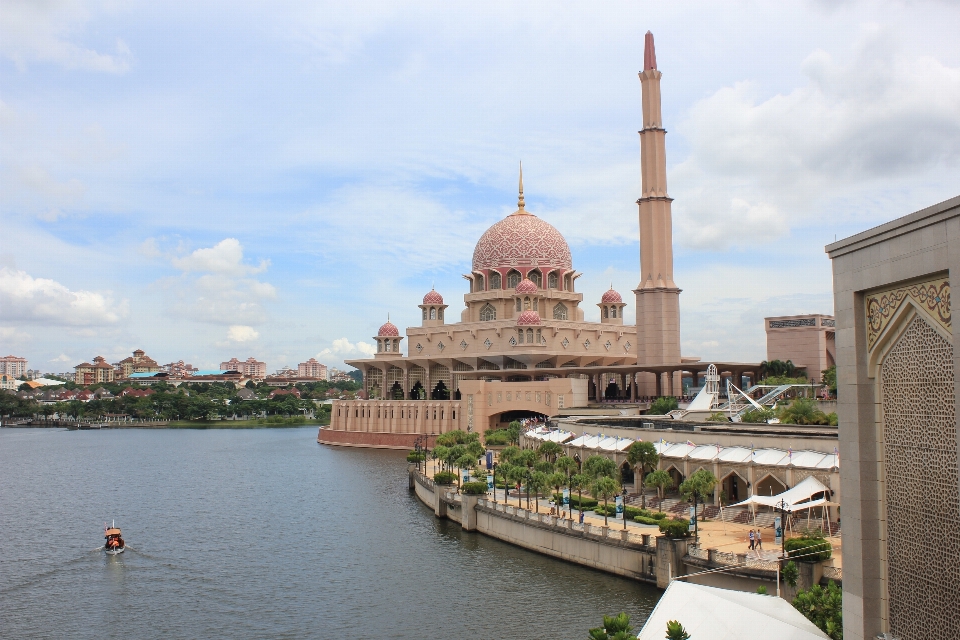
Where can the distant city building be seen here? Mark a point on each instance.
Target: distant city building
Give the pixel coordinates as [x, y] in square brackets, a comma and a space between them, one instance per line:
[179, 369]
[91, 373]
[285, 392]
[33, 374]
[139, 362]
[13, 366]
[312, 369]
[9, 383]
[807, 340]
[285, 372]
[336, 375]
[250, 367]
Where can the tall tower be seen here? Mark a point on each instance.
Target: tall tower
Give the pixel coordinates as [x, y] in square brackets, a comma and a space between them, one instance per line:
[658, 298]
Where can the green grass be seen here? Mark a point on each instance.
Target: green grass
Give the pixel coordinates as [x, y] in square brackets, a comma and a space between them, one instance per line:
[258, 423]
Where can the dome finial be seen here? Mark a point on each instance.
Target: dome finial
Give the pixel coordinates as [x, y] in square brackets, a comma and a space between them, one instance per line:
[520, 203]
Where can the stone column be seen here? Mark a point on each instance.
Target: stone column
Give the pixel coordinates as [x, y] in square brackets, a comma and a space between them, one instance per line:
[468, 512]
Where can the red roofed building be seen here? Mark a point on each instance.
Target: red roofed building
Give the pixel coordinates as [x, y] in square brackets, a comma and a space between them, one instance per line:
[139, 362]
[94, 372]
[285, 392]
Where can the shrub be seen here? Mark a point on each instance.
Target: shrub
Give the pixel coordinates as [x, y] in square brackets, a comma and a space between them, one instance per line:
[805, 546]
[474, 488]
[498, 437]
[719, 416]
[662, 406]
[833, 419]
[445, 477]
[675, 528]
[762, 590]
[646, 520]
[823, 607]
[790, 573]
[413, 456]
[588, 503]
[758, 416]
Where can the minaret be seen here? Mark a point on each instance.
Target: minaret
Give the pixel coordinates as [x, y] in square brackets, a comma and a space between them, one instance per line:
[520, 203]
[658, 298]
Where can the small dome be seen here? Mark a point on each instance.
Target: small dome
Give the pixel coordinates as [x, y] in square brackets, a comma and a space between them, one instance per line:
[433, 298]
[388, 329]
[526, 286]
[528, 317]
[611, 296]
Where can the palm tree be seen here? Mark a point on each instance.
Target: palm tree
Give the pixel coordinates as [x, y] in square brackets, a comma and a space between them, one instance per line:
[517, 474]
[643, 455]
[441, 453]
[605, 488]
[550, 450]
[661, 480]
[579, 482]
[538, 482]
[558, 481]
[596, 466]
[464, 462]
[509, 454]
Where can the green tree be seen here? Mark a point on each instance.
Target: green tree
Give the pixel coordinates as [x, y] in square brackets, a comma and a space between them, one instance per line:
[596, 466]
[643, 455]
[829, 377]
[790, 573]
[566, 465]
[441, 453]
[509, 454]
[699, 485]
[558, 480]
[578, 483]
[803, 411]
[614, 628]
[464, 462]
[823, 607]
[514, 430]
[537, 482]
[550, 451]
[604, 488]
[517, 475]
[659, 479]
[778, 368]
[675, 631]
[663, 405]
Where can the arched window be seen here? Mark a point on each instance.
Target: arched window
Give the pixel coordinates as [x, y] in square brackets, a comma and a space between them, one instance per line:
[560, 311]
[494, 280]
[526, 304]
[379, 345]
[613, 312]
[539, 337]
[520, 336]
[433, 313]
[513, 279]
[478, 283]
[530, 336]
[488, 313]
[536, 278]
[606, 312]
[424, 314]
[440, 314]
[552, 280]
[519, 304]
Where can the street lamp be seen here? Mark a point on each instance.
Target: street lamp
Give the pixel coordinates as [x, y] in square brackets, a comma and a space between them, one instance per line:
[495, 484]
[624, 508]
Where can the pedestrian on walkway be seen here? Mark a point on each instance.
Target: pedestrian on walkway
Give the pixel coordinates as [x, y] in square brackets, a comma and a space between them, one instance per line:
[759, 541]
[751, 540]
[581, 516]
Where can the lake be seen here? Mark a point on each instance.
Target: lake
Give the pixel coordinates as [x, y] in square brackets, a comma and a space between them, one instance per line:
[258, 533]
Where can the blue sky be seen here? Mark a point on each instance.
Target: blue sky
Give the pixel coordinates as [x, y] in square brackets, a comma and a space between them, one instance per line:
[210, 180]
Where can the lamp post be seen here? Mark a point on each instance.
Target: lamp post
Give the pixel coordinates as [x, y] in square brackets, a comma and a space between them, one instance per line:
[624, 508]
[495, 484]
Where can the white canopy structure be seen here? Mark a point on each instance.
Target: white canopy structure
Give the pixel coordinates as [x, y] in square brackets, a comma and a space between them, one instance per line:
[551, 435]
[794, 499]
[710, 613]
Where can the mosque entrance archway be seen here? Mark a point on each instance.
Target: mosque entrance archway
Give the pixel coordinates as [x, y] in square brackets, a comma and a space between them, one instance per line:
[396, 391]
[769, 486]
[734, 488]
[503, 420]
[677, 477]
[627, 474]
[418, 392]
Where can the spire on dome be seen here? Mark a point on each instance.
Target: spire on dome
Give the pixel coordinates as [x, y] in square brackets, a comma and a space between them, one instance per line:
[520, 203]
[649, 52]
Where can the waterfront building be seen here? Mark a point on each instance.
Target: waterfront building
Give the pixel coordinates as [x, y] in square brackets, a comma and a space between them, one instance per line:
[806, 340]
[139, 362]
[312, 369]
[93, 372]
[178, 369]
[897, 377]
[521, 346]
[251, 367]
[13, 366]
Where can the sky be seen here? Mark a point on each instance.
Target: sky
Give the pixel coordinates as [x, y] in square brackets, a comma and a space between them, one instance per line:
[214, 180]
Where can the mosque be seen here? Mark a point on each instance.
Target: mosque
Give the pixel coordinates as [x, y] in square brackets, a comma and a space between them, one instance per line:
[521, 346]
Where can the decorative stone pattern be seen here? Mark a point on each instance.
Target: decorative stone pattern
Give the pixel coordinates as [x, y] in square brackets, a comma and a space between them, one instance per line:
[920, 476]
[521, 239]
[611, 296]
[933, 296]
[388, 329]
[799, 322]
[432, 297]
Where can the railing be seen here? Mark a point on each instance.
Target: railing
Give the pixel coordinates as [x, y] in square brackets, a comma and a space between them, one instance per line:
[701, 554]
[725, 557]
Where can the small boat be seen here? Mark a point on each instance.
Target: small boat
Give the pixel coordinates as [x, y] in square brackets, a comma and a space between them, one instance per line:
[114, 542]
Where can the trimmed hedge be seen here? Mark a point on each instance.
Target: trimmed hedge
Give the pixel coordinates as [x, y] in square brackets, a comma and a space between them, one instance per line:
[805, 545]
[632, 512]
[588, 503]
[675, 528]
[474, 488]
[645, 520]
[445, 477]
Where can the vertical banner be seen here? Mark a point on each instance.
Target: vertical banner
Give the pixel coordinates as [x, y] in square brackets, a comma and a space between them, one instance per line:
[489, 482]
[489, 460]
[466, 475]
[779, 529]
[619, 514]
[693, 520]
[566, 497]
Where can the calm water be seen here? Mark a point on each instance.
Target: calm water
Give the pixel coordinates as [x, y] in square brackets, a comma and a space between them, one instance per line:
[261, 533]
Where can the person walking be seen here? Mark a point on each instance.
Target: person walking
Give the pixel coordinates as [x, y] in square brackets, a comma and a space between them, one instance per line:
[759, 541]
[751, 540]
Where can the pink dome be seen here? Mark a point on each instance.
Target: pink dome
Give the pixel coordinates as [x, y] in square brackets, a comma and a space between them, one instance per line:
[528, 317]
[521, 239]
[526, 286]
[388, 329]
[433, 298]
[611, 296]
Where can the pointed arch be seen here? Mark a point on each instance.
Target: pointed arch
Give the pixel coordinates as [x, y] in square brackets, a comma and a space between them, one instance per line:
[513, 279]
[488, 313]
[560, 311]
[494, 280]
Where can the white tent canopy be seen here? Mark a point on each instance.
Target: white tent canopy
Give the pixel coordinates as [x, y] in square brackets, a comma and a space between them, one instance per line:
[793, 498]
[710, 613]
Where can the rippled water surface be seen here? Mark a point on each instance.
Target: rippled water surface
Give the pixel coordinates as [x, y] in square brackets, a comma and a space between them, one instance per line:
[261, 533]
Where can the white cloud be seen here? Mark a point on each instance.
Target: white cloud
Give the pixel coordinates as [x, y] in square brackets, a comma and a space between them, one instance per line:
[24, 298]
[342, 347]
[13, 335]
[225, 257]
[62, 358]
[242, 333]
[40, 31]
[873, 121]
